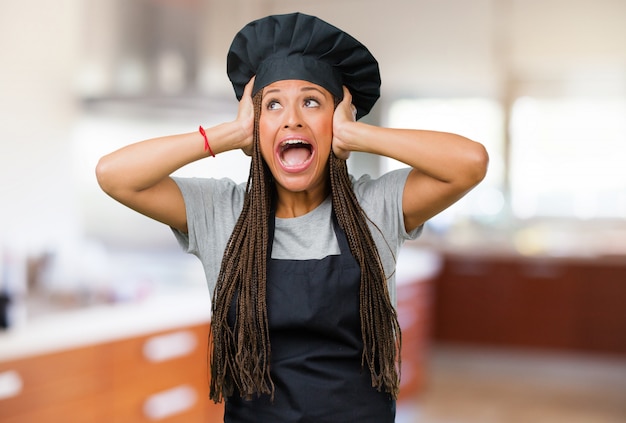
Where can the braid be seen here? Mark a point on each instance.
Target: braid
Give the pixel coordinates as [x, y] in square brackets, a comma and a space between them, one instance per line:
[380, 329]
[240, 355]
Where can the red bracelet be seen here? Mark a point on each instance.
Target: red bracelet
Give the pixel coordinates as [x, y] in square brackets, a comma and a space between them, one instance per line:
[207, 147]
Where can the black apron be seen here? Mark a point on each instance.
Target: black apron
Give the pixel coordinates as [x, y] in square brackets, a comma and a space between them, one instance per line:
[316, 346]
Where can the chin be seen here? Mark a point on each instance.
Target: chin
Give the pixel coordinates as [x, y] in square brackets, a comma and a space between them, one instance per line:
[297, 183]
[294, 185]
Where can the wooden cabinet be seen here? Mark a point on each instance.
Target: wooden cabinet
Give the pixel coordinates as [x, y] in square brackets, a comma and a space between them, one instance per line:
[414, 310]
[159, 377]
[52, 388]
[556, 303]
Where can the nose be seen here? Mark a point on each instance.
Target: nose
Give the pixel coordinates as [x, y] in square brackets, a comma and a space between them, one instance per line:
[293, 118]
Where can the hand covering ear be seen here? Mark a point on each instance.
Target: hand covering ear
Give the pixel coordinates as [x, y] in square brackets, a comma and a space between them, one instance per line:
[345, 114]
[245, 117]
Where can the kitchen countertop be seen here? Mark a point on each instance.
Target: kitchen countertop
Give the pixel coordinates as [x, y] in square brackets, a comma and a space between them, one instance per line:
[103, 323]
[58, 330]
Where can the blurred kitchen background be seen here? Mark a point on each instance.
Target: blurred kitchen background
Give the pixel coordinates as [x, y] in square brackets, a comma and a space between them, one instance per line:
[513, 302]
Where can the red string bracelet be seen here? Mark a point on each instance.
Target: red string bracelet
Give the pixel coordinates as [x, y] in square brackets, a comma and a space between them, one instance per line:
[207, 147]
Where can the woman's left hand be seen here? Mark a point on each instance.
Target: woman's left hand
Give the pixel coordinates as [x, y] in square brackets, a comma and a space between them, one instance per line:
[345, 114]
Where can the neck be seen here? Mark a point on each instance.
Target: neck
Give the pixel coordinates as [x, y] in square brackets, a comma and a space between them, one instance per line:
[293, 204]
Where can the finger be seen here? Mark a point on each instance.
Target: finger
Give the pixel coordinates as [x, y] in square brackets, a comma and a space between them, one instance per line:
[346, 94]
[247, 91]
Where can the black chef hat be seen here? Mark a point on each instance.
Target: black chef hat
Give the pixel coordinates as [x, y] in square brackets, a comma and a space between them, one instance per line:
[299, 46]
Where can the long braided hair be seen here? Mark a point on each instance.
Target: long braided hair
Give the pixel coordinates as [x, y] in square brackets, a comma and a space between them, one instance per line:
[240, 354]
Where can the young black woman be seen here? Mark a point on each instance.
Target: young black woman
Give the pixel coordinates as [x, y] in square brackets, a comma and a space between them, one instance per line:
[300, 259]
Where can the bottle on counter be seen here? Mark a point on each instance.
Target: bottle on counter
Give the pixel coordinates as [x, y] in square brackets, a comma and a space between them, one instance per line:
[13, 287]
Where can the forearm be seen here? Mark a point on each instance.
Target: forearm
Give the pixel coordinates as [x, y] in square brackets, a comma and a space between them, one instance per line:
[445, 166]
[443, 156]
[142, 165]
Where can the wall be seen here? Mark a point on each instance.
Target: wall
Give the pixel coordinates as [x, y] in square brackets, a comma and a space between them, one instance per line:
[40, 44]
[497, 48]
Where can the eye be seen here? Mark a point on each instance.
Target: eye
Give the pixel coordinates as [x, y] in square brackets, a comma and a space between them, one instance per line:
[311, 102]
[273, 105]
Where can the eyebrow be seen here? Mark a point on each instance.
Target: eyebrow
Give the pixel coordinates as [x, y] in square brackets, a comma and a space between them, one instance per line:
[303, 89]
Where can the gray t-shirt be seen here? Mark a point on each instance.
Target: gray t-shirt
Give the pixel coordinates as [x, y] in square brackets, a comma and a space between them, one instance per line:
[213, 206]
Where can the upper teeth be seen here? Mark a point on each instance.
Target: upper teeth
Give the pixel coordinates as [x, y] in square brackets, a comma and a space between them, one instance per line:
[292, 142]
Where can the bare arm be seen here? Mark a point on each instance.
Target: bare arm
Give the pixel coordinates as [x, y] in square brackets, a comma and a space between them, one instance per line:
[445, 166]
[138, 175]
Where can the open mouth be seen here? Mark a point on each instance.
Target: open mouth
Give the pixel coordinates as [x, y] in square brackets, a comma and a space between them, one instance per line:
[295, 153]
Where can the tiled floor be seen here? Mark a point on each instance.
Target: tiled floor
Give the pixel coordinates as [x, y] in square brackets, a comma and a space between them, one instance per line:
[467, 385]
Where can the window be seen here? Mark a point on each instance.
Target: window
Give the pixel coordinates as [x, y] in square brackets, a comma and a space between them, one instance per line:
[479, 119]
[568, 158]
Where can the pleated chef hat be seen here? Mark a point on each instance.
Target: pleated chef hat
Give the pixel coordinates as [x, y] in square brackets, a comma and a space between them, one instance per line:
[299, 46]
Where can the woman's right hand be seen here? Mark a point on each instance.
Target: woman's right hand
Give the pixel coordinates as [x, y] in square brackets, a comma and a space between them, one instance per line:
[245, 117]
